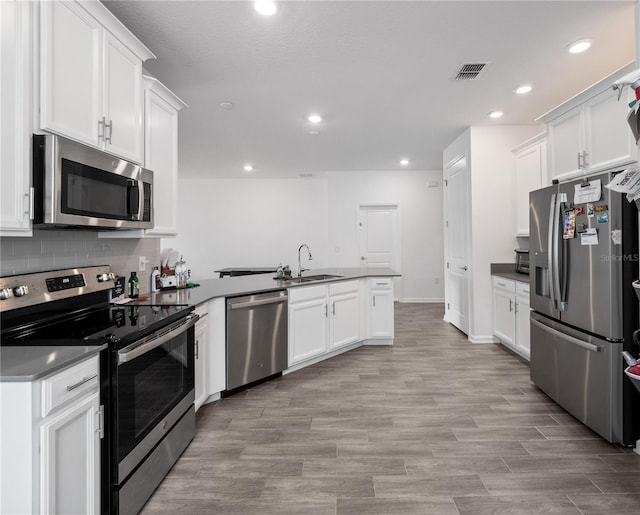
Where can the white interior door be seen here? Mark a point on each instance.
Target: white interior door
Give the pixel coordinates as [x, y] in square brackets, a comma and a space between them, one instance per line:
[457, 244]
[379, 238]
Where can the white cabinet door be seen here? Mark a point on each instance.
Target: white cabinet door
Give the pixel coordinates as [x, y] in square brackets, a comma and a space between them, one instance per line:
[609, 141]
[200, 359]
[566, 142]
[122, 100]
[70, 459]
[70, 72]
[529, 177]
[381, 324]
[523, 329]
[216, 350]
[15, 118]
[344, 320]
[307, 329]
[161, 154]
[504, 322]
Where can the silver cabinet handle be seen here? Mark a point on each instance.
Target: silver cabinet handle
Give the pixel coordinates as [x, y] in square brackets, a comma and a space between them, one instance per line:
[510, 305]
[81, 382]
[101, 129]
[579, 160]
[110, 127]
[326, 311]
[195, 345]
[333, 308]
[501, 284]
[374, 301]
[100, 429]
[465, 268]
[585, 163]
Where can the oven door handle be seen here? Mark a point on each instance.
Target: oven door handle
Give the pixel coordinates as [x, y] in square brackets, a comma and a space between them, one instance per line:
[142, 347]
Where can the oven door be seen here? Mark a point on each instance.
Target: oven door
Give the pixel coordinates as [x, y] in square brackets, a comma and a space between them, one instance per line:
[153, 386]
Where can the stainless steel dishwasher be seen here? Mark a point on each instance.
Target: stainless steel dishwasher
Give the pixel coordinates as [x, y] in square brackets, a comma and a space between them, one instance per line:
[256, 337]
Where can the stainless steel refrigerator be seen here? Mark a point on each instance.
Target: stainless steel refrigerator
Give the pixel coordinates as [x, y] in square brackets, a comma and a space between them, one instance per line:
[584, 257]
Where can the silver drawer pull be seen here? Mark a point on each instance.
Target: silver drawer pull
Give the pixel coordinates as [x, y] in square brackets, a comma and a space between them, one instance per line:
[81, 382]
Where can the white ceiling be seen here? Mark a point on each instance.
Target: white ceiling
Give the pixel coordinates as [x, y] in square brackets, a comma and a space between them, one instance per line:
[379, 72]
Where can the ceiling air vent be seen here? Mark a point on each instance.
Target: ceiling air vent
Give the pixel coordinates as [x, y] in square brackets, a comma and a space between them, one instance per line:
[470, 71]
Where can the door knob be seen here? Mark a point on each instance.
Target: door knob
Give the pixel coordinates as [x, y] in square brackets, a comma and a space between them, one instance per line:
[464, 268]
[362, 258]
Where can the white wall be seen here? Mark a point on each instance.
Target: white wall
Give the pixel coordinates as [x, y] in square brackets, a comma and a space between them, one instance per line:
[493, 220]
[262, 222]
[249, 223]
[420, 220]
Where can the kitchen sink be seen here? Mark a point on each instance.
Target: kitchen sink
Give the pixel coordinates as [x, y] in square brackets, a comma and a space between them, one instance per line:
[312, 278]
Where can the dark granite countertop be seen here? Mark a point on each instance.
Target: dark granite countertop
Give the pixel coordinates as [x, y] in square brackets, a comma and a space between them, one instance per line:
[21, 364]
[508, 271]
[250, 284]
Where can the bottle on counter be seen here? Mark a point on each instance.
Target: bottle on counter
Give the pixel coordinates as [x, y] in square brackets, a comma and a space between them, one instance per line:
[134, 287]
[155, 280]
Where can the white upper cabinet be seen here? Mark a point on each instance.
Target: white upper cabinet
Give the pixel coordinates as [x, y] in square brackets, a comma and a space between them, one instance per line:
[161, 108]
[123, 100]
[531, 172]
[91, 77]
[589, 133]
[15, 118]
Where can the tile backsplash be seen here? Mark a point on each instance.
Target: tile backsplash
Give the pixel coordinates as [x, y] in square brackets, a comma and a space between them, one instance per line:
[55, 249]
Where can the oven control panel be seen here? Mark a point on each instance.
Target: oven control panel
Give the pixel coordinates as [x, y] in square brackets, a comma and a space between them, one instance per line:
[19, 291]
[65, 283]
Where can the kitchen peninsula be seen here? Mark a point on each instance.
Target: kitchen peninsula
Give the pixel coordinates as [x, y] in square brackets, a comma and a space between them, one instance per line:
[344, 309]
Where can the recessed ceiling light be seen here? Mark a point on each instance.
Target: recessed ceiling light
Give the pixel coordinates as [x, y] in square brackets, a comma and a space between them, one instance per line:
[313, 133]
[524, 89]
[314, 118]
[265, 7]
[226, 105]
[404, 162]
[580, 46]
[248, 168]
[495, 114]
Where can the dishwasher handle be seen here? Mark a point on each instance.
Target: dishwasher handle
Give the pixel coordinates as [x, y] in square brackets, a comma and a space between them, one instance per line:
[257, 302]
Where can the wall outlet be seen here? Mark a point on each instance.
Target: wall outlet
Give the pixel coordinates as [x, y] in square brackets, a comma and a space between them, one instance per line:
[142, 263]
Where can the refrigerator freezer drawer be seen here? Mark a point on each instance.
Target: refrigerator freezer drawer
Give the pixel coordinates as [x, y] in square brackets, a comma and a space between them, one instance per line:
[580, 372]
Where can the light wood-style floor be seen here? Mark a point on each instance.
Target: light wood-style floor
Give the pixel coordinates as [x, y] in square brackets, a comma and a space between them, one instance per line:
[433, 425]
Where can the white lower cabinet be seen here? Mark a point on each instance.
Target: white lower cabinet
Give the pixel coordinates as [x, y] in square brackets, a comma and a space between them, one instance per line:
[380, 310]
[323, 318]
[51, 430]
[308, 314]
[200, 355]
[511, 314]
[70, 459]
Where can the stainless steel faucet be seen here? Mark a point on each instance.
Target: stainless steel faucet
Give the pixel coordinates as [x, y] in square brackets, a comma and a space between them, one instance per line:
[300, 269]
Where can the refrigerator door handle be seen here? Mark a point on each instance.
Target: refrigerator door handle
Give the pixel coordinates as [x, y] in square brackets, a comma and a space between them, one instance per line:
[550, 247]
[585, 345]
[560, 276]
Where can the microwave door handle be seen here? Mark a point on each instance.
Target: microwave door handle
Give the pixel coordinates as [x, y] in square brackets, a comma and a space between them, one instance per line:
[133, 199]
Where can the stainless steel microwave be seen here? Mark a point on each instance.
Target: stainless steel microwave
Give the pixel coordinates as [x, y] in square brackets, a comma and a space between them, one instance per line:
[78, 186]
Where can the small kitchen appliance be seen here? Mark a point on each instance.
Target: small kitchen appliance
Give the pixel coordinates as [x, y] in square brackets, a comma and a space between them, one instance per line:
[522, 261]
[146, 373]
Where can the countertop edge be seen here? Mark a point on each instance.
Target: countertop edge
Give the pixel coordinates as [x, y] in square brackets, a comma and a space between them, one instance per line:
[81, 354]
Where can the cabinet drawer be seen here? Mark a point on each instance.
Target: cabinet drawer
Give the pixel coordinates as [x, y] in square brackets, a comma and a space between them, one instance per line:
[299, 294]
[69, 384]
[343, 287]
[381, 283]
[522, 289]
[507, 285]
[202, 309]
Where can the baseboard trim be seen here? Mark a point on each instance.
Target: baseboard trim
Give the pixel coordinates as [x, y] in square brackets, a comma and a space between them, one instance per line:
[421, 300]
[483, 339]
